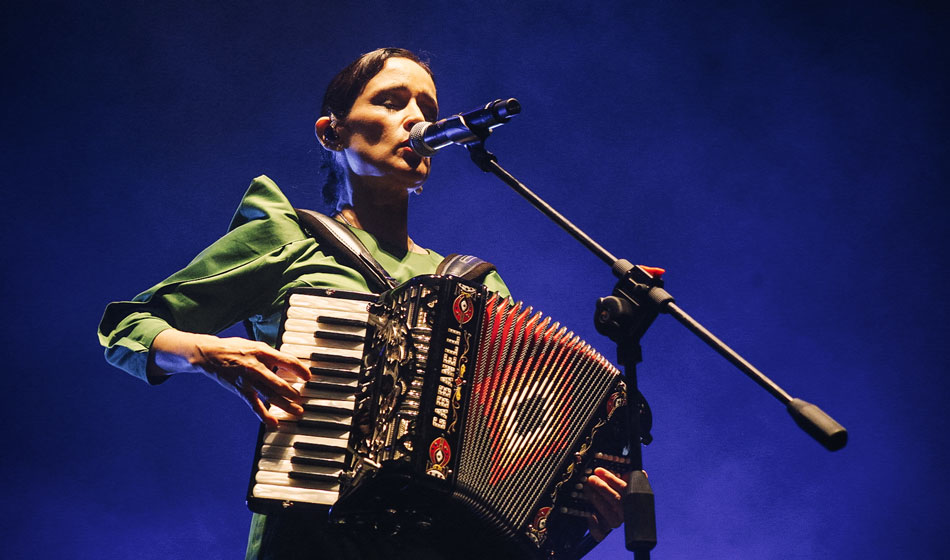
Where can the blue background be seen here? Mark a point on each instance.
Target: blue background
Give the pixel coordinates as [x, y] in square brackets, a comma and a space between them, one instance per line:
[785, 161]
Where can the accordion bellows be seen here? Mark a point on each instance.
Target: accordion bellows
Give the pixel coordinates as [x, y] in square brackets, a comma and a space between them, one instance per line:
[445, 406]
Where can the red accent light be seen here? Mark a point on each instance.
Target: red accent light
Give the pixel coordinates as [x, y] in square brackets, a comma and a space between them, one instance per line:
[654, 271]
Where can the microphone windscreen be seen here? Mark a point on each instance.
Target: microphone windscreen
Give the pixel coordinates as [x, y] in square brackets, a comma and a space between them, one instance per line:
[417, 140]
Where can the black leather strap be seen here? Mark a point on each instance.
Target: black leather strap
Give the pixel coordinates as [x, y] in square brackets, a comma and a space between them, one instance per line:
[465, 266]
[338, 240]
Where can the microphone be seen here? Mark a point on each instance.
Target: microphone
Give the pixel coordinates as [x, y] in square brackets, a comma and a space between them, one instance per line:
[427, 138]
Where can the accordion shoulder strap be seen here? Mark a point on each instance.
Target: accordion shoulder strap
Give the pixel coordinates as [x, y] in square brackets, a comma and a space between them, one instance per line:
[346, 247]
[465, 266]
[338, 240]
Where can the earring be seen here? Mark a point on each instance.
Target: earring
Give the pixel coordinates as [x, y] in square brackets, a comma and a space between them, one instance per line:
[418, 190]
[331, 139]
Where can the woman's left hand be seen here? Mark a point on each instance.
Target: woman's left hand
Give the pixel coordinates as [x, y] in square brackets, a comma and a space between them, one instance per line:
[604, 490]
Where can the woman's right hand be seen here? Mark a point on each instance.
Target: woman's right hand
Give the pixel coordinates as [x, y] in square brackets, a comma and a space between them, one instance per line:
[249, 368]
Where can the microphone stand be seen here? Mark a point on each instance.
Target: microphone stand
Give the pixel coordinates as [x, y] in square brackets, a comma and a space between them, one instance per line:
[624, 316]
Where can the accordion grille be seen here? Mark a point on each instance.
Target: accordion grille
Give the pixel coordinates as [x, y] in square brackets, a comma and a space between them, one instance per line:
[535, 387]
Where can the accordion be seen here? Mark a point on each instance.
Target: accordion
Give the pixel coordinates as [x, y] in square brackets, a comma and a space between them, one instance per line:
[442, 404]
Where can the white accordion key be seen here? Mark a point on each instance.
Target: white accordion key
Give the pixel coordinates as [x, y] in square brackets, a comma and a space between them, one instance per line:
[328, 304]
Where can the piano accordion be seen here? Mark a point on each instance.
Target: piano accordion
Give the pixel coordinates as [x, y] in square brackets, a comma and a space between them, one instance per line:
[442, 405]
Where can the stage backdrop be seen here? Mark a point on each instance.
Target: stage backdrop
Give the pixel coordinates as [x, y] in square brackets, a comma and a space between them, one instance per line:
[784, 161]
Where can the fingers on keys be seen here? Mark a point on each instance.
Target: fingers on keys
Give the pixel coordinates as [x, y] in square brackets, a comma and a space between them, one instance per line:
[283, 363]
[273, 386]
[604, 490]
[254, 401]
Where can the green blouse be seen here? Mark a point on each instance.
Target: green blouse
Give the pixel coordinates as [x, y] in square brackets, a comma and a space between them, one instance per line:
[245, 275]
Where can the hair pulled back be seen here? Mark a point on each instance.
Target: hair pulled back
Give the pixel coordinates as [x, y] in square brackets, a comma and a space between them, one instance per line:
[341, 93]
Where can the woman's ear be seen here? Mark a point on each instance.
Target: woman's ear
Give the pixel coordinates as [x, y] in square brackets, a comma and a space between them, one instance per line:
[326, 133]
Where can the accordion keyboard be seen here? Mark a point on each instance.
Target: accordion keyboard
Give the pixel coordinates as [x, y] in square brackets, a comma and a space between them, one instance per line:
[301, 460]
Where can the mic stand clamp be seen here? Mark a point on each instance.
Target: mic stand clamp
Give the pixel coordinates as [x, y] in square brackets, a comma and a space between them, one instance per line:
[624, 317]
[476, 149]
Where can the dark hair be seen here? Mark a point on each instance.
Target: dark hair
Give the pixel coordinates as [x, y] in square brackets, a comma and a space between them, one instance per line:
[341, 93]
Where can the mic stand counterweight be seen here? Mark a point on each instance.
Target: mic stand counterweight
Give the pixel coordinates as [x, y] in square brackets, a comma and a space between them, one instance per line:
[624, 316]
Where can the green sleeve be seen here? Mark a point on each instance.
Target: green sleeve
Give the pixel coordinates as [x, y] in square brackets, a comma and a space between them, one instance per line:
[495, 284]
[234, 278]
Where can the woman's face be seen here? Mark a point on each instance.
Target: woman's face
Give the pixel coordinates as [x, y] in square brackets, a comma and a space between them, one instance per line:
[376, 131]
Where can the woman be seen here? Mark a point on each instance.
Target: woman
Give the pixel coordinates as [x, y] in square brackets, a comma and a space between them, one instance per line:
[364, 125]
